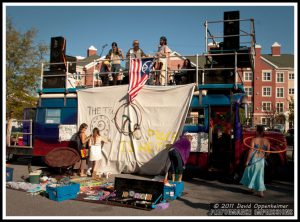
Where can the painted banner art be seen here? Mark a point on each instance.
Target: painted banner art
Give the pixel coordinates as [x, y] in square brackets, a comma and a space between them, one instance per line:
[139, 131]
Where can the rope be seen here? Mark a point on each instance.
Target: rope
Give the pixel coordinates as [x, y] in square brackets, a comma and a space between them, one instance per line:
[137, 110]
[262, 150]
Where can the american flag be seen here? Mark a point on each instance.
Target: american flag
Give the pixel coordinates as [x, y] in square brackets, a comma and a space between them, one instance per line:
[138, 75]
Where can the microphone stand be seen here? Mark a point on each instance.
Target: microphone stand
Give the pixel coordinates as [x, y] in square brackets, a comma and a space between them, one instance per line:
[102, 49]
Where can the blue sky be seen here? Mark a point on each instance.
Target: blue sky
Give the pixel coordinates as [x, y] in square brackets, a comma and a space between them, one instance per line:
[183, 25]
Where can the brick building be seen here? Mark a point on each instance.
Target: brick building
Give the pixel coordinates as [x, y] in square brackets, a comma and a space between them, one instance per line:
[271, 87]
[269, 90]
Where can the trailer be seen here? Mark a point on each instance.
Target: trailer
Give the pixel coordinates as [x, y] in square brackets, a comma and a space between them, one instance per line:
[219, 137]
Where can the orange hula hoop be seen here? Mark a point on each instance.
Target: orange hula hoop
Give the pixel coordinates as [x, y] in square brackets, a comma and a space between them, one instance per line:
[262, 150]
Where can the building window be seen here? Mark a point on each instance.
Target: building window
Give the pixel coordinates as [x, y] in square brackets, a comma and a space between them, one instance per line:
[249, 91]
[291, 91]
[266, 91]
[249, 109]
[291, 76]
[77, 76]
[279, 77]
[279, 92]
[248, 76]
[266, 106]
[291, 105]
[266, 76]
[279, 107]
[53, 116]
[265, 121]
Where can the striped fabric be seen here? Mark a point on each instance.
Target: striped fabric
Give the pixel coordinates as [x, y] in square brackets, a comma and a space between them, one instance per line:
[138, 75]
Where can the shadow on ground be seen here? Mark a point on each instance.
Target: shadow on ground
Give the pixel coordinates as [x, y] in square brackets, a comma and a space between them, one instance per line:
[203, 206]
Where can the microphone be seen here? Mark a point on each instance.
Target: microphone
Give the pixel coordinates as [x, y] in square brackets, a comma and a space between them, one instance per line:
[103, 49]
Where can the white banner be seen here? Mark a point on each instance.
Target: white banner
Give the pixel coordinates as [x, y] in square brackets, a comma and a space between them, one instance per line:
[66, 132]
[160, 112]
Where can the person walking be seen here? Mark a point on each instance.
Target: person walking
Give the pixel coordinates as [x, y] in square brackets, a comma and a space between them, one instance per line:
[253, 176]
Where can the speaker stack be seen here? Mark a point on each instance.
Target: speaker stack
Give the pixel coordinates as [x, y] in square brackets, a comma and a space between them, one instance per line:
[231, 28]
[56, 76]
[230, 44]
[58, 53]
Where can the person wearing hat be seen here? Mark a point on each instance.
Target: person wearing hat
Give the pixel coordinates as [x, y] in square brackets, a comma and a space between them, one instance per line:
[134, 53]
[163, 53]
[115, 55]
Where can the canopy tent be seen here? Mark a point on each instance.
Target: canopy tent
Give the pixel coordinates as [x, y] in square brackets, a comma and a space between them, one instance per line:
[158, 114]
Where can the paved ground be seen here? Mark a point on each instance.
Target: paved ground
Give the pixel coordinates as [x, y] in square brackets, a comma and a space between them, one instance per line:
[200, 192]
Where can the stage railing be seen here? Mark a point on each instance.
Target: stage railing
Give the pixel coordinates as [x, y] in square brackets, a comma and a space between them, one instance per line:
[93, 70]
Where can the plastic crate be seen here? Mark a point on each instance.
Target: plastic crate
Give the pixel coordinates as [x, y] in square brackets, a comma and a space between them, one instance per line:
[63, 192]
[173, 192]
[9, 174]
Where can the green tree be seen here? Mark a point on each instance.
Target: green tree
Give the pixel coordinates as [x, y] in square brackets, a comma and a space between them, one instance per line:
[243, 118]
[23, 65]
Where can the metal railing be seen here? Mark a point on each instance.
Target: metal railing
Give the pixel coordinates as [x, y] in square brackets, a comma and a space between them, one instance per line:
[250, 41]
[242, 33]
[93, 70]
[15, 135]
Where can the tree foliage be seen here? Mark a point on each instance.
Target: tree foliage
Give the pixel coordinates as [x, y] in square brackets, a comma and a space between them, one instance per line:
[23, 65]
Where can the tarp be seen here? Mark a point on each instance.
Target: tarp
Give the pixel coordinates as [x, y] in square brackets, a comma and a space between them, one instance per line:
[161, 112]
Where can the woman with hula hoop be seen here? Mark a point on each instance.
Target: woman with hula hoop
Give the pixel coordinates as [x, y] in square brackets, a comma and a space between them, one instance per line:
[253, 176]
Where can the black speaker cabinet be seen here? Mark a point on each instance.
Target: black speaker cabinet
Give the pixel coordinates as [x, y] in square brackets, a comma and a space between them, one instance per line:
[71, 64]
[58, 53]
[219, 76]
[231, 28]
[54, 81]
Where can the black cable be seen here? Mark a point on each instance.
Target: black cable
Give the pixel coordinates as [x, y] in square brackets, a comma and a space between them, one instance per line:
[136, 126]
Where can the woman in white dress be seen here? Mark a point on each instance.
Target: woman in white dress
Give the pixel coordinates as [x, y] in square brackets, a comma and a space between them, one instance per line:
[95, 144]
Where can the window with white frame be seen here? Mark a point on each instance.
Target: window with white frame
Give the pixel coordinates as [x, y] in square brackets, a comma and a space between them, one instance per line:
[291, 105]
[266, 76]
[249, 91]
[265, 121]
[248, 76]
[279, 107]
[291, 76]
[266, 91]
[279, 92]
[279, 77]
[53, 116]
[291, 91]
[266, 106]
[77, 76]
